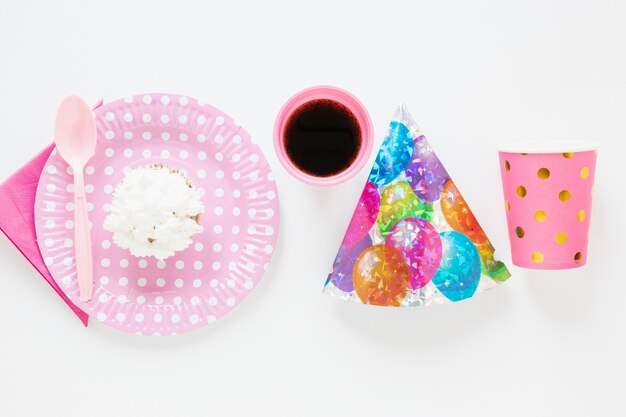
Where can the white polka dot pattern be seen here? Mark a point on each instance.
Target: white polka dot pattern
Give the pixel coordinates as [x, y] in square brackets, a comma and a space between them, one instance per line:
[225, 262]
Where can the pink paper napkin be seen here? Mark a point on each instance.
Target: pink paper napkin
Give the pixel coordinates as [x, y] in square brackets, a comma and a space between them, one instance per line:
[17, 202]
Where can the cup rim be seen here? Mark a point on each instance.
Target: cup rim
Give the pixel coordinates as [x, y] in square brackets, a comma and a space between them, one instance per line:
[551, 146]
[353, 104]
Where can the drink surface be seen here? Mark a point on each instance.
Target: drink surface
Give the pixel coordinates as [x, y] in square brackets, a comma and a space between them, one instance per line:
[322, 137]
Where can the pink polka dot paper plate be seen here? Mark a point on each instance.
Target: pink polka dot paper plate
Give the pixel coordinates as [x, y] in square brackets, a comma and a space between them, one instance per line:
[226, 261]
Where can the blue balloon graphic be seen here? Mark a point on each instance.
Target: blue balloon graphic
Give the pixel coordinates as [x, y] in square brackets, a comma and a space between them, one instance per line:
[394, 155]
[459, 270]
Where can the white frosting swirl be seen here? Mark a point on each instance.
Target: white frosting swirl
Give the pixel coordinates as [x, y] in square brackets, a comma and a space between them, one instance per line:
[154, 212]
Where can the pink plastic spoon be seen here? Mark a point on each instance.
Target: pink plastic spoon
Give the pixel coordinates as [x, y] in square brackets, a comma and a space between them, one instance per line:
[75, 139]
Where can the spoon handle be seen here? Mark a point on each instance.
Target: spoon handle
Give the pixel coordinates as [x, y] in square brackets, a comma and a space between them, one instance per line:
[82, 238]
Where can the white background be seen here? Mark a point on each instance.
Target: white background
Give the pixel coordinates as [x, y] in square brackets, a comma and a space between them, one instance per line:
[472, 73]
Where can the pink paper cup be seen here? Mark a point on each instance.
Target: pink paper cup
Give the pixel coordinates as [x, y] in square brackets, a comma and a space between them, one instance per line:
[339, 95]
[547, 192]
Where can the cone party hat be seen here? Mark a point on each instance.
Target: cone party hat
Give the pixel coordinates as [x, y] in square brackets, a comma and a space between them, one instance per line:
[412, 240]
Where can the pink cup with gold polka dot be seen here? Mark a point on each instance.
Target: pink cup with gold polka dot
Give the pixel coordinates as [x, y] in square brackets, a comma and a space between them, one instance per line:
[547, 192]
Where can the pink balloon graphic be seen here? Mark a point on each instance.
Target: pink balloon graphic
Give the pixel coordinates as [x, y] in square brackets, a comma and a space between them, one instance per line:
[420, 244]
[364, 215]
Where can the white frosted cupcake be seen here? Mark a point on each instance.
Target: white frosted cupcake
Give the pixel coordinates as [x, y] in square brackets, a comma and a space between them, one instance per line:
[155, 211]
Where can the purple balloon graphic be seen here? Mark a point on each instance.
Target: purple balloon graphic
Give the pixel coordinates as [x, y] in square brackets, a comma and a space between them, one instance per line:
[425, 173]
[421, 246]
[364, 215]
[341, 277]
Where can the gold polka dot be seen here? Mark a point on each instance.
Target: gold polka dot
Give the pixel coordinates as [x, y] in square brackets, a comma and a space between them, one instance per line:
[578, 256]
[564, 195]
[508, 206]
[584, 173]
[519, 232]
[521, 191]
[560, 238]
[568, 155]
[540, 216]
[543, 173]
[581, 215]
[507, 166]
[537, 257]
[524, 153]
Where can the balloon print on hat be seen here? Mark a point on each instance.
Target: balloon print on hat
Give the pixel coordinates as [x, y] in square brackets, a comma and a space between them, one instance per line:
[397, 202]
[458, 214]
[425, 173]
[459, 271]
[420, 244]
[460, 218]
[394, 155]
[381, 276]
[364, 215]
[341, 277]
[490, 266]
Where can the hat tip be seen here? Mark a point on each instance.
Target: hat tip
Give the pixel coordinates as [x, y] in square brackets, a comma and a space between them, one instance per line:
[403, 115]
